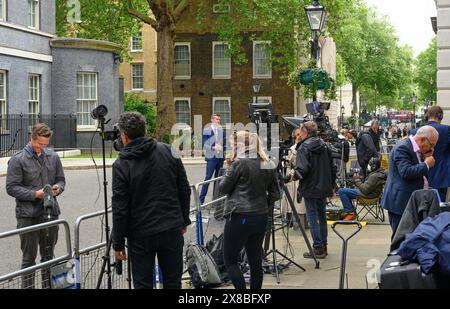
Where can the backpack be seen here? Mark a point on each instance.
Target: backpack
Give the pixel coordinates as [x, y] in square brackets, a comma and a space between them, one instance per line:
[201, 267]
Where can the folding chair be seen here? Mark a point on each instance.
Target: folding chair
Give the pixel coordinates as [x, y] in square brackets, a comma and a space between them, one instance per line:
[369, 206]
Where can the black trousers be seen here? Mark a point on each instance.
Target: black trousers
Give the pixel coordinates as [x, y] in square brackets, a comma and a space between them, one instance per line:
[45, 240]
[244, 231]
[168, 247]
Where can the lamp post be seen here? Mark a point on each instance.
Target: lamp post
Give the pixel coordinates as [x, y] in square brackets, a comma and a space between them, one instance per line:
[316, 17]
[342, 115]
[414, 100]
[256, 90]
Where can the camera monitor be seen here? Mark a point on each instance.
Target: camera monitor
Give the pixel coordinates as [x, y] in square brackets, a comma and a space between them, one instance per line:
[261, 112]
[310, 108]
[324, 106]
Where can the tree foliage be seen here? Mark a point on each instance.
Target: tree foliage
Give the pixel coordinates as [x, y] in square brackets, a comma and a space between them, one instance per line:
[376, 64]
[134, 103]
[426, 71]
[100, 20]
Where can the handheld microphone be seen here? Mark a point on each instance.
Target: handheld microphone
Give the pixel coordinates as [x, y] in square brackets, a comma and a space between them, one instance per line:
[48, 197]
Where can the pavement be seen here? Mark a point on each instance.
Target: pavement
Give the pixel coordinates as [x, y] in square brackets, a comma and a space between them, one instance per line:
[88, 163]
[366, 250]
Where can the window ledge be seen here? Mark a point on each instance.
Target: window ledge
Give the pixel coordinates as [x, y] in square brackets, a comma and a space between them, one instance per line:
[86, 129]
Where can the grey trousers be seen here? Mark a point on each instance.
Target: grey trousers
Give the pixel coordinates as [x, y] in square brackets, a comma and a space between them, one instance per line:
[46, 240]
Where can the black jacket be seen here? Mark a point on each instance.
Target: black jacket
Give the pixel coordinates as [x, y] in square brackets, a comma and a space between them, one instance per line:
[315, 166]
[375, 139]
[365, 149]
[151, 193]
[422, 204]
[250, 184]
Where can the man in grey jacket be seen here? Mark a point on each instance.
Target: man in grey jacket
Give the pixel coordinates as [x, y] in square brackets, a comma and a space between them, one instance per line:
[29, 171]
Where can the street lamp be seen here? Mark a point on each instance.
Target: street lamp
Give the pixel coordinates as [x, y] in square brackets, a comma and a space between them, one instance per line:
[414, 100]
[316, 17]
[342, 115]
[256, 90]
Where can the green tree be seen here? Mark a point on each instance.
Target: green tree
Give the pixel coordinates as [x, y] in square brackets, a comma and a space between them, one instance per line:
[100, 20]
[377, 66]
[426, 71]
[133, 103]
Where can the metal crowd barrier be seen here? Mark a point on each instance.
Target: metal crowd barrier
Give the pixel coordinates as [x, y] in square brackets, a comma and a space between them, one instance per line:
[26, 278]
[89, 260]
[205, 212]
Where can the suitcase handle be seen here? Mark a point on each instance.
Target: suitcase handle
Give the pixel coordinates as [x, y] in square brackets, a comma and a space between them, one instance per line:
[341, 222]
[344, 246]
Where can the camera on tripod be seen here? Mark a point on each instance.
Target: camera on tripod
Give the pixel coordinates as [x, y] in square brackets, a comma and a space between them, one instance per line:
[99, 113]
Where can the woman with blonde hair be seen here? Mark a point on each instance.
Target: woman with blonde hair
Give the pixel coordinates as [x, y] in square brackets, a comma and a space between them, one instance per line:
[251, 186]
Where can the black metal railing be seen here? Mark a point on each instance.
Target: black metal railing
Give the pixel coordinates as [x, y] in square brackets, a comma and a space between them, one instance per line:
[15, 131]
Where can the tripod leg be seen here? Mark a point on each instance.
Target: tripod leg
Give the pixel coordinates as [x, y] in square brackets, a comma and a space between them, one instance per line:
[106, 266]
[274, 250]
[297, 218]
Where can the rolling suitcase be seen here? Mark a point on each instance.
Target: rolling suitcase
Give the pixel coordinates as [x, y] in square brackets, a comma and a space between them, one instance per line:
[398, 274]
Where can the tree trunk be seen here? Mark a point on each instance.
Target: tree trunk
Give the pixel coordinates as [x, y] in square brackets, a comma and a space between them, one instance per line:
[165, 105]
[354, 100]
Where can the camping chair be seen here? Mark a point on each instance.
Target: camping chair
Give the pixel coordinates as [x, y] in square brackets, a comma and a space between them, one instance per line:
[369, 206]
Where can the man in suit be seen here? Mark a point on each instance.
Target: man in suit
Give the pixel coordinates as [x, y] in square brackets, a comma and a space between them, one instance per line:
[409, 164]
[439, 176]
[213, 146]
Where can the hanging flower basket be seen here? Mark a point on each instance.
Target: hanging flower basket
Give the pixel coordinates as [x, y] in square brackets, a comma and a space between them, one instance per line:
[306, 76]
[311, 79]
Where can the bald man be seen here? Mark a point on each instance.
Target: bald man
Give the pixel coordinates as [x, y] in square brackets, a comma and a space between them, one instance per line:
[409, 164]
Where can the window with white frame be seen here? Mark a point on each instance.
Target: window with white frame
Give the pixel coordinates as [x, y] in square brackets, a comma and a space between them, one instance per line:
[222, 106]
[33, 14]
[263, 99]
[3, 107]
[262, 66]
[86, 99]
[221, 60]
[33, 96]
[182, 60]
[137, 76]
[183, 110]
[2, 9]
[136, 42]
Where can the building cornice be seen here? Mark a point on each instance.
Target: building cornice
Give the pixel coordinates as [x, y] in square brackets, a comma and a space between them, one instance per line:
[85, 44]
[25, 54]
[25, 29]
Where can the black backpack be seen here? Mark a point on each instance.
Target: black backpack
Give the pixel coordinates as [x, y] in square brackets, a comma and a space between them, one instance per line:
[201, 267]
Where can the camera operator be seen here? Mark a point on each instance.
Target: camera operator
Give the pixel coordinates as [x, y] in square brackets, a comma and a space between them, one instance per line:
[29, 171]
[251, 185]
[316, 171]
[372, 187]
[150, 204]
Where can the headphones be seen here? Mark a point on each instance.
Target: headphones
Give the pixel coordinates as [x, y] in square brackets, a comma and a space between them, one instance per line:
[375, 164]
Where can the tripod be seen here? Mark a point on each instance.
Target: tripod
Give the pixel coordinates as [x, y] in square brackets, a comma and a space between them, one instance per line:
[274, 251]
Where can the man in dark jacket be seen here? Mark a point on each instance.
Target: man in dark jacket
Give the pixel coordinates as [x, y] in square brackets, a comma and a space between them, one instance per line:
[372, 187]
[28, 172]
[439, 176]
[375, 133]
[314, 167]
[365, 150]
[409, 165]
[150, 204]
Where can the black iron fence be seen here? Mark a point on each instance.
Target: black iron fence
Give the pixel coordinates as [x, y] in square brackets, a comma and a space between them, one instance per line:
[15, 131]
